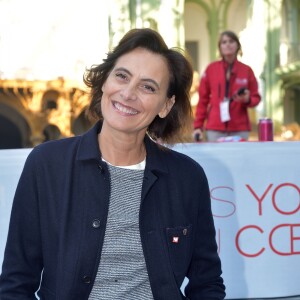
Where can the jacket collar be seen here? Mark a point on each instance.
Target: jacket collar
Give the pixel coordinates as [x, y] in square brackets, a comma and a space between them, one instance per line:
[226, 64]
[89, 150]
[156, 156]
[88, 146]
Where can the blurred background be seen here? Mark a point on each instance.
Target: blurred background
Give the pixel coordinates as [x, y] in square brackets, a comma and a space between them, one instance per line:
[45, 47]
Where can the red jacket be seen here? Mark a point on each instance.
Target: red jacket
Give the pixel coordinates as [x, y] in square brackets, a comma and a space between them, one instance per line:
[212, 92]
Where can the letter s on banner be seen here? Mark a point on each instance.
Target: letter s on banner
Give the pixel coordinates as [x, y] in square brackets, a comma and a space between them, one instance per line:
[228, 208]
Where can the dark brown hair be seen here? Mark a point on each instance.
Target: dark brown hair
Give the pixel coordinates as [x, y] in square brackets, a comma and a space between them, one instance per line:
[234, 37]
[169, 128]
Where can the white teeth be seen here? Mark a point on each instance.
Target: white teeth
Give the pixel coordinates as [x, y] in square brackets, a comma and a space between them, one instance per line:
[126, 110]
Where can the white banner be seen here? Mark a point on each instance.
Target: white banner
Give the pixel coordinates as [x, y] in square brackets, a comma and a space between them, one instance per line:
[255, 192]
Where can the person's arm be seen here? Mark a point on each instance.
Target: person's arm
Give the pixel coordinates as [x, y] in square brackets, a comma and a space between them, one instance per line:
[204, 96]
[253, 89]
[204, 274]
[22, 264]
[250, 95]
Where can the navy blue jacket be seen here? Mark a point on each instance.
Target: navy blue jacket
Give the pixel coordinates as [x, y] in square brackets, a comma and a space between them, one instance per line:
[59, 216]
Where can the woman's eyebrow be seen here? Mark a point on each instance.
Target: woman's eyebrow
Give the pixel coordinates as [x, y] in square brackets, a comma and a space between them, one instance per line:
[143, 79]
[123, 70]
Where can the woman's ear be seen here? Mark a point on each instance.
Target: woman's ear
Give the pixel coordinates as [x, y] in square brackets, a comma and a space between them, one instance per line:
[167, 107]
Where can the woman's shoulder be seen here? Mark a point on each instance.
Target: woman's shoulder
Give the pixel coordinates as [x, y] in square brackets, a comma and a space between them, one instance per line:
[216, 62]
[213, 66]
[243, 65]
[54, 150]
[57, 145]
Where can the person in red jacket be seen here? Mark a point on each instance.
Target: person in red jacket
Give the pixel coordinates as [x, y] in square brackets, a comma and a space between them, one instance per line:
[227, 89]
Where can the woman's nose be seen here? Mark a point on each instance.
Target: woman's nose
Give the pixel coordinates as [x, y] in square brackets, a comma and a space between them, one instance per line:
[128, 92]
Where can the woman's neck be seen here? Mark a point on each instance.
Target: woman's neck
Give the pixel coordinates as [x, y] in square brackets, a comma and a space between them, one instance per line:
[229, 59]
[121, 153]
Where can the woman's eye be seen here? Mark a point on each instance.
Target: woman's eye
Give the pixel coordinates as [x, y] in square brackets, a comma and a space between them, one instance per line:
[121, 75]
[149, 88]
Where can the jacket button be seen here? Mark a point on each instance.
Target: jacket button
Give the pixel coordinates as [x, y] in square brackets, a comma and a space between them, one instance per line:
[96, 223]
[86, 279]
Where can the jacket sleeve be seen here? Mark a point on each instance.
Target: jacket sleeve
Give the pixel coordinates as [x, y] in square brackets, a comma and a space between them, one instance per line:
[22, 264]
[204, 274]
[204, 96]
[253, 88]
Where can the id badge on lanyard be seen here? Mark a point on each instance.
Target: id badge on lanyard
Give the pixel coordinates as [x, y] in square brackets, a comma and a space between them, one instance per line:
[224, 110]
[224, 105]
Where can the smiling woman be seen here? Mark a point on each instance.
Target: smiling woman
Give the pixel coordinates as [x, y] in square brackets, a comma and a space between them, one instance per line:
[168, 63]
[112, 214]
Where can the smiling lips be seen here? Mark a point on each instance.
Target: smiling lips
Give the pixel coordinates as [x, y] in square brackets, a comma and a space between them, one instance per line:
[124, 109]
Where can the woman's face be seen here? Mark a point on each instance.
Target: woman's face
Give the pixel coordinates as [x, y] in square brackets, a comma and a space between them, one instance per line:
[135, 92]
[228, 46]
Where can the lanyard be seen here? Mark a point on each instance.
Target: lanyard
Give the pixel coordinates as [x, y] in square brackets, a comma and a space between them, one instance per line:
[227, 81]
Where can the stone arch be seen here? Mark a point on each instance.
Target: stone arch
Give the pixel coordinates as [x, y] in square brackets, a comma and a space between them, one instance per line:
[15, 132]
[49, 100]
[51, 132]
[216, 13]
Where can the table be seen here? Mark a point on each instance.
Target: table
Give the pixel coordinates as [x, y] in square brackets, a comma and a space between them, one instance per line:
[255, 193]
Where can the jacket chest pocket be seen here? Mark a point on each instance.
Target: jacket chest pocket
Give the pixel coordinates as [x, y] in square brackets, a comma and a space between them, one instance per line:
[179, 246]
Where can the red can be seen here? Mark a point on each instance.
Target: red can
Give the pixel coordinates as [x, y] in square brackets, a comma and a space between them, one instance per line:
[265, 129]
